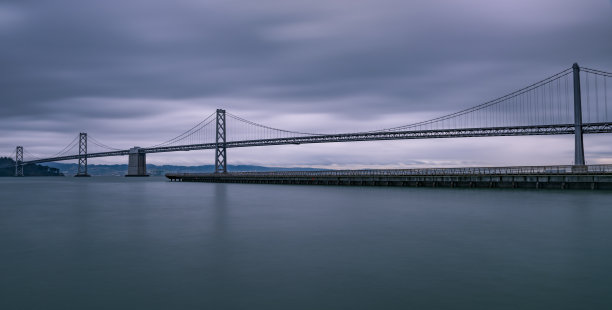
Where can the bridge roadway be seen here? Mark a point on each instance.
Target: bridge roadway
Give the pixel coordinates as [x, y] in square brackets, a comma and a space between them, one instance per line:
[563, 129]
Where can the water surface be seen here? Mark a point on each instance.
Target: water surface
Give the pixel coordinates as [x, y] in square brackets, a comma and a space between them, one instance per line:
[121, 243]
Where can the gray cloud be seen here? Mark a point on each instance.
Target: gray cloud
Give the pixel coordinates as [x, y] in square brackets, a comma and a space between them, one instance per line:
[125, 69]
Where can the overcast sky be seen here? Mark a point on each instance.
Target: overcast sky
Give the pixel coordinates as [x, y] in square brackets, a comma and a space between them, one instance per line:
[142, 71]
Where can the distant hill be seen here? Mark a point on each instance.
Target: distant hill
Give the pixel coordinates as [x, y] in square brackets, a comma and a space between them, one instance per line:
[7, 169]
[121, 170]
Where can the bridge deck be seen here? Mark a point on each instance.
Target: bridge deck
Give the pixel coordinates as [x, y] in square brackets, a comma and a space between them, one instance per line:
[563, 129]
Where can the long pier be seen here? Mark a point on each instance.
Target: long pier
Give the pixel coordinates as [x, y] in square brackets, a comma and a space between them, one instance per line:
[536, 177]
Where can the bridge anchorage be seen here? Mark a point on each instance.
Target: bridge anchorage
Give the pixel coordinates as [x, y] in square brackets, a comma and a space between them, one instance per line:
[571, 102]
[137, 164]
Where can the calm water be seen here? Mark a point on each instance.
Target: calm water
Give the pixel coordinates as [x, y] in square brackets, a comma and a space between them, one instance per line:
[117, 243]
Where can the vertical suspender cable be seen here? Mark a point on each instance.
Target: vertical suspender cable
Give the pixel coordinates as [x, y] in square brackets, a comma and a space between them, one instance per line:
[567, 100]
[596, 98]
[586, 74]
[559, 100]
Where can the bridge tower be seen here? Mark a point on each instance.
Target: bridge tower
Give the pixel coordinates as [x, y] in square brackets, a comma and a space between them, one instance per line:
[578, 145]
[18, 161]
[220, 140]
[82, 172]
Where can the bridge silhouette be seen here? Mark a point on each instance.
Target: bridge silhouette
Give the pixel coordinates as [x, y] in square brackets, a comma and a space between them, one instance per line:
[562, 104]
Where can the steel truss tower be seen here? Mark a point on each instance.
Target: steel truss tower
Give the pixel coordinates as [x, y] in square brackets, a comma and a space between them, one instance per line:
[82, 172]
[19, 161]
[220, 144]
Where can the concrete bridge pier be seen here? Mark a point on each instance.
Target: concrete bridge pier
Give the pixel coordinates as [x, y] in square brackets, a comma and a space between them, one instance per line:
[137, 165]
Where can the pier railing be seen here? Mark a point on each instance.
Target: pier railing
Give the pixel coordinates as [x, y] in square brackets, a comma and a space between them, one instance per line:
[516, 170]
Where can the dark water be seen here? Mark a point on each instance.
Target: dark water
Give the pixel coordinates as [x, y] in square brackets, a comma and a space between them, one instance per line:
[116, 243]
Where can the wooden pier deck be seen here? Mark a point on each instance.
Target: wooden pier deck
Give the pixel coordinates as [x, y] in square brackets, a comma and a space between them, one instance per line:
[536, 177]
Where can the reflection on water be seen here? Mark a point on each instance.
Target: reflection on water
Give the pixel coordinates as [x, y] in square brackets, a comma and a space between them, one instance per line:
[101, 243]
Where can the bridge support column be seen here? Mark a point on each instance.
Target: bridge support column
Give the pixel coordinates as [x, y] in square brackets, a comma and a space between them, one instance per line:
[137, 165]
[82, 172]
[578, 145]
[220, 149]
[19, 161]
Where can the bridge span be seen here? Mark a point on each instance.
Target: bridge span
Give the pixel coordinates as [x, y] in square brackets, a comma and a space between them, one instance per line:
[553, 106]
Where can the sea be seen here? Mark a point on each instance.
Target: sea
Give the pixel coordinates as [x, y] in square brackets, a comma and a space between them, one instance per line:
[146, 243]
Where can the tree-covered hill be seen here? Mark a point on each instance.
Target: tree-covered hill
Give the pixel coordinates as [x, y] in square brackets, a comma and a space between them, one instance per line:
[7, 168]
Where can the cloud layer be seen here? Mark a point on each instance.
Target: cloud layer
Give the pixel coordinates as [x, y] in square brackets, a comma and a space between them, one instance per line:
[140, 72]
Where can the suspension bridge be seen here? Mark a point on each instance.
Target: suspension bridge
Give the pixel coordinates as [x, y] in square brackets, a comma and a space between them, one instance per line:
[572, 102]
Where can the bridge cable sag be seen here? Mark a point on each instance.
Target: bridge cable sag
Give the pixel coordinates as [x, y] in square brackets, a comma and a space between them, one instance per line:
[542, 93]
[187, 133]
[483, 105]
[35, 156]
[67, 148]
[238, 118]
[100, 144]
